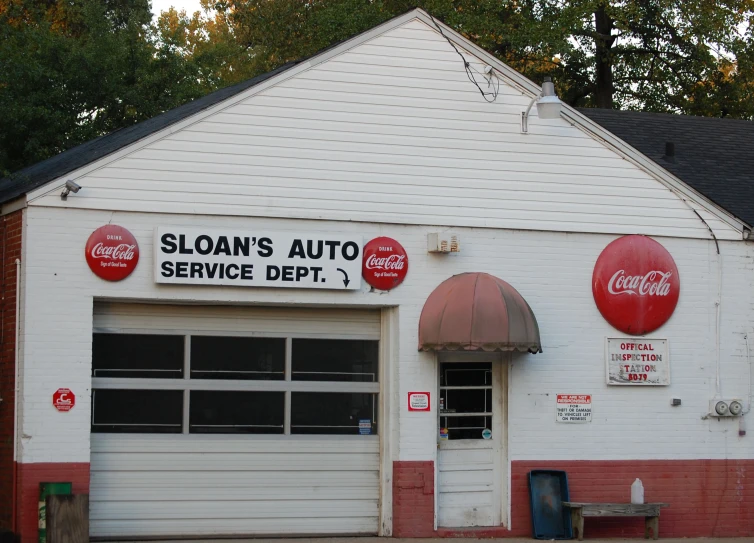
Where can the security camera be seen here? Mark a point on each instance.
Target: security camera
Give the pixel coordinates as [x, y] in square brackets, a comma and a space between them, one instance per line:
[70, 187]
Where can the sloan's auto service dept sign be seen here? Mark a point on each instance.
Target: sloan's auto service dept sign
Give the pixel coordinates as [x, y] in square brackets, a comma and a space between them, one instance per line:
[635, 284]
[257, 259]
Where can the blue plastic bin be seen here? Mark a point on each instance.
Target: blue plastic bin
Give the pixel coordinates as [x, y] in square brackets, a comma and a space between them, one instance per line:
[548, 489]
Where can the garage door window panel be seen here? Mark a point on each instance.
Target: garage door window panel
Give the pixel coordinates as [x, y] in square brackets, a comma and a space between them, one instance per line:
[333, 413]
[147, 356]
[334, 360]
[216, 357]
[223, 412]
[137, 411]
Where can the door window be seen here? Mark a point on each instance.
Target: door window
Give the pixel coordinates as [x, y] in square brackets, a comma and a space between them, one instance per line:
[465, 400]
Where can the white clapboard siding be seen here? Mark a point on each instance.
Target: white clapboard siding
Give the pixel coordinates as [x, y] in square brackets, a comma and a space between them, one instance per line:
[466, 484]
[391, 131]
[225, 485]
[238, 320]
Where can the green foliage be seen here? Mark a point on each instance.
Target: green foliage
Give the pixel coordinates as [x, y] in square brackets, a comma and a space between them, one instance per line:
[79, 70]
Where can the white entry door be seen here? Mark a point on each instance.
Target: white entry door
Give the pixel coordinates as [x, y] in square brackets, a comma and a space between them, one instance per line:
[470, 455]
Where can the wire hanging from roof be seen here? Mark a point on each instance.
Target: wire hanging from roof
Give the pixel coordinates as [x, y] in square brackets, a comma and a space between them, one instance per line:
[491, 78]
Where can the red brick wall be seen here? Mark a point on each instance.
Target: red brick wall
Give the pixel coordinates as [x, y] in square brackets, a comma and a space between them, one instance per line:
[413, 499]
[10, 250]
[29, 477]
[708, 498]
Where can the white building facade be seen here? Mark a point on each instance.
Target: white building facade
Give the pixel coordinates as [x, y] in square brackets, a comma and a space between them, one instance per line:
[237, 409]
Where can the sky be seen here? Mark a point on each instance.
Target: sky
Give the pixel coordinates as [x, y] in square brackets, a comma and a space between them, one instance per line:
[163, 5]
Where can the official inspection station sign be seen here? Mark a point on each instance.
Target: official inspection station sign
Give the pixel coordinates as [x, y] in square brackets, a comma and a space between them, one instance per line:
[632, 361]
[203, 256]
[574, 408]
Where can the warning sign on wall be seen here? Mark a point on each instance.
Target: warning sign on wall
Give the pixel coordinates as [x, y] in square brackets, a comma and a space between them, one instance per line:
[574, 408]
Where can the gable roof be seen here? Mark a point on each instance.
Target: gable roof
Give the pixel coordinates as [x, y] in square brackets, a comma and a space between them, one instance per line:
[714, 156]
[36, 175]
[97, 153]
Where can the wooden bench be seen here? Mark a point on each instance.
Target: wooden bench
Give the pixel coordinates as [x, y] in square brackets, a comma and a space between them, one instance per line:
[650, 512]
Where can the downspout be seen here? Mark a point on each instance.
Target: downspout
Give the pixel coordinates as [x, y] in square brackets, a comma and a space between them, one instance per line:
[14, 508]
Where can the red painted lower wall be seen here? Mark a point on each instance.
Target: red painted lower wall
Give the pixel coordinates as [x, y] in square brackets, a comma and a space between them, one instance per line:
[413, 499]
[708, 498]
[29, 477]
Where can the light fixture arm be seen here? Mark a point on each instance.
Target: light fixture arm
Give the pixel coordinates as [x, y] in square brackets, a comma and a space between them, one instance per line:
[525, 115]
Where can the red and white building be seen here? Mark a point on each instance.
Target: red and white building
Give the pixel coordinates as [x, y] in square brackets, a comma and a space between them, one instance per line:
[228, 369]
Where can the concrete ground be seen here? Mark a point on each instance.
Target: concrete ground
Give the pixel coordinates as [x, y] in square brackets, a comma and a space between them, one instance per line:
[457, 540]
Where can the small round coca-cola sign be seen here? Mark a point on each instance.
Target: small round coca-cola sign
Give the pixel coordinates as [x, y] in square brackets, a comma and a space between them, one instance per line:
[636, 284]
[112, 252]
[385, 263]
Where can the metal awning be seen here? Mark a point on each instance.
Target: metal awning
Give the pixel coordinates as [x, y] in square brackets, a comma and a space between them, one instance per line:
[477, 312]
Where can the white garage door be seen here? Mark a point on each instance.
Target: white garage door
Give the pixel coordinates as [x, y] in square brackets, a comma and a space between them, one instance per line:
[234, 421]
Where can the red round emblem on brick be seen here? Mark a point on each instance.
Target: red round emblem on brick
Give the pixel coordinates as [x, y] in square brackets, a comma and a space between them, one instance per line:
[63, 399]
[636, 284]
[112, 252]
[385, 263]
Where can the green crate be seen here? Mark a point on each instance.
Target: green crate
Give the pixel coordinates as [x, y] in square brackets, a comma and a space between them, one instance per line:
[49, 489]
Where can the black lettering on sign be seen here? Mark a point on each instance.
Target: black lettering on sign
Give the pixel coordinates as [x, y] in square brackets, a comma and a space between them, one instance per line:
[168, 244]
[203, 244]
[240, 246]
[247, 271]
[211, 269]
[297, 249]
[181, 269]
[288, 273]
[301, 272]
[231, 271]
[310, 249]
[197, 270]
[350, 250]
[273, 273]
[332, 245]
[222, 247]
[316, 271]
[167, 269]
[182, 246]
[265, 247]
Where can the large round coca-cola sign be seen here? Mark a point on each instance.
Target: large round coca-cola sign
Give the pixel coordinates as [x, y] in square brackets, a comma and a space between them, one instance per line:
[112, 252]
[385, 263]
[635, 284]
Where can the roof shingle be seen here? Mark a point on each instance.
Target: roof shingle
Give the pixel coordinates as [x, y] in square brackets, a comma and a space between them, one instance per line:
[714, 156]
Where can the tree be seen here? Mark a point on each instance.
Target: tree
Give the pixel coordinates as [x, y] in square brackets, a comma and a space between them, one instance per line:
[72, 71]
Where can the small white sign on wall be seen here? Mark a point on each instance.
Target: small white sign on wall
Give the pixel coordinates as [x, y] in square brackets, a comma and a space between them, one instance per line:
[637, 361]
[574, 408]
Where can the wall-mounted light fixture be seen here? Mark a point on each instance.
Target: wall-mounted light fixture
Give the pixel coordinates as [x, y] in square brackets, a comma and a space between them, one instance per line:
[548, 105]
[70, 187]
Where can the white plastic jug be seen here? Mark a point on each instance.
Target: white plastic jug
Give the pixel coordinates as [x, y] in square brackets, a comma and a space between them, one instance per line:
[637, 491]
